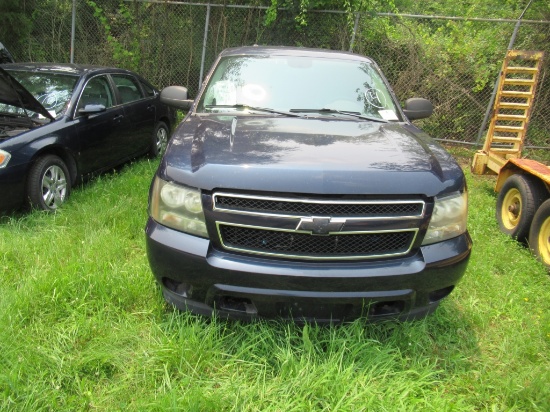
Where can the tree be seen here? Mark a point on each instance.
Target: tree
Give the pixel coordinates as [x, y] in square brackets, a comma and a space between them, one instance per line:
[16, 23]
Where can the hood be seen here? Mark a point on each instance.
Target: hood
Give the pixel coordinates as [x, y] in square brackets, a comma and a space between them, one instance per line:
[308, 155]
[14, 94]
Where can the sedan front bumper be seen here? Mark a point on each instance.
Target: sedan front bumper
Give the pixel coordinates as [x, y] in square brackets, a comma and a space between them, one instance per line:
[12, 186]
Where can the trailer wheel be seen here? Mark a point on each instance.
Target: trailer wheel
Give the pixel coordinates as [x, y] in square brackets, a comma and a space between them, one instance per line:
[517, 202]
[539, 234]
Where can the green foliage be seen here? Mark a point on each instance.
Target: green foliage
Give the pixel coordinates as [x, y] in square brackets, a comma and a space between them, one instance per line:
[16, 23]
[507, 9]
[271, 13]
[299, 9]
[126, 47]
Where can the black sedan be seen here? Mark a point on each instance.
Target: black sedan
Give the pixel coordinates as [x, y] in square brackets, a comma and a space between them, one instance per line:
[62, 122]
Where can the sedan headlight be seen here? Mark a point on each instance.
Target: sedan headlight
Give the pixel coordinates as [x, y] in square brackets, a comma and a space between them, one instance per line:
[448, 218]
[178, 207]
[4, 158]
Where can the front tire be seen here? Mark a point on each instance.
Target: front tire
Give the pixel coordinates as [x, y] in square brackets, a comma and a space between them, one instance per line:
[49, 183]
[159, 140]
[539, 234]
[517, 202]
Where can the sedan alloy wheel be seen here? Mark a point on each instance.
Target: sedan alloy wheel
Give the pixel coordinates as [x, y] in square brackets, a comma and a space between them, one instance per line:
[49, 183]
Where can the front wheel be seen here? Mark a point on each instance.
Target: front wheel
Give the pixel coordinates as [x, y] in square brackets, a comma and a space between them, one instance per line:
[539, 234]
[159, 140]
[517, 202]
[49, 183]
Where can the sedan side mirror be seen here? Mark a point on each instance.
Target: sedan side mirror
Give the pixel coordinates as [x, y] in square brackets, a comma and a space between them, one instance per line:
[418, 108]
[92, 109]
[176, 96]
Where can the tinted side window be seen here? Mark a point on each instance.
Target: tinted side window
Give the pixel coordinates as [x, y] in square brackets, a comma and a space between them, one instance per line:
[97, 91]
[128, 88]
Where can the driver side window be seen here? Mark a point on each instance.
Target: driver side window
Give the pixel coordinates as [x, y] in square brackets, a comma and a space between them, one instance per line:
[96, 91]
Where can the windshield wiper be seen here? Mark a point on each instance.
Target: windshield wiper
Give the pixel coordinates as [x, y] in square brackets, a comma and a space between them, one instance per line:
[344, 112]
[247, 107]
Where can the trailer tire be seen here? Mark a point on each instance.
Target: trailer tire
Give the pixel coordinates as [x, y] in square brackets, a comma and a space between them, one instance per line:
[539, 234]
[520, 197]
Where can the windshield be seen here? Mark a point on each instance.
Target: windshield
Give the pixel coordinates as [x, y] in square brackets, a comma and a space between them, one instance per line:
[52, 90]
[298, 84]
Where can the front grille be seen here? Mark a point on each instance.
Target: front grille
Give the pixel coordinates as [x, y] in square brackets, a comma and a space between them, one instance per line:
[280, 206]
[294, 244]
[316, 229]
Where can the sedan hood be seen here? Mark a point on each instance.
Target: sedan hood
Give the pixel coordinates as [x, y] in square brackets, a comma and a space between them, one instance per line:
[14, 94]
[319, 155]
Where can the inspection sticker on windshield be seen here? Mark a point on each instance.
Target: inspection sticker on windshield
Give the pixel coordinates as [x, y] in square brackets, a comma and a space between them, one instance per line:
[388, 114]
[224, 92]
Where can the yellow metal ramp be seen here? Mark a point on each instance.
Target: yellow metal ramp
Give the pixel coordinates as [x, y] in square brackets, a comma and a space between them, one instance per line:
[511, 111]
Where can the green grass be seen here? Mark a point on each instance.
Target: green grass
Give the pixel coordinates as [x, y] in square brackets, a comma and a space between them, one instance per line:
[84, 327]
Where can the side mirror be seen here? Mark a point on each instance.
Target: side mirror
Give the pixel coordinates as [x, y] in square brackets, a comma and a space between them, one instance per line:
[418, 108]
[176, 96]
[92, 109]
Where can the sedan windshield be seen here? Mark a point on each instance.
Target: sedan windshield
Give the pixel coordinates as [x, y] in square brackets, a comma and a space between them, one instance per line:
[305, 85]
[52, 90]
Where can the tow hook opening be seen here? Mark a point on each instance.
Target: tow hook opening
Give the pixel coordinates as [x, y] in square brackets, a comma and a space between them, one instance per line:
[439, 294]
[235, 304]
[386, 308]
[181, 288]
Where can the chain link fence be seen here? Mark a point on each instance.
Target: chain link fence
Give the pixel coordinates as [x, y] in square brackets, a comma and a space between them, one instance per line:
[453, 62]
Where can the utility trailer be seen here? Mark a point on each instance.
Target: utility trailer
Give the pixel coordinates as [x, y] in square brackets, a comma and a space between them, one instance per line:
[523, 185]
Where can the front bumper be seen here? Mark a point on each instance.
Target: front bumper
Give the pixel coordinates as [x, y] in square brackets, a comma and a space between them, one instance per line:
[12, 186]
[195, 276]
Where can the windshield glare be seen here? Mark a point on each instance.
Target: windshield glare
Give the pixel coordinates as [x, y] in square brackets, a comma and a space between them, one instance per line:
[285, 83]
[52, 90]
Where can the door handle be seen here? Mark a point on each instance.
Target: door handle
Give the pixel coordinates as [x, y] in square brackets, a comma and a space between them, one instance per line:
[118, 117]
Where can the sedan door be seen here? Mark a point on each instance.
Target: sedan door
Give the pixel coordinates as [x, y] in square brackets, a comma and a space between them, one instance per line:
[99, 130]
[139, 112]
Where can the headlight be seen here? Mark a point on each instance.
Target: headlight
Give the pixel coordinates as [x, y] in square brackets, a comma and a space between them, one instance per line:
[4, 158]
[448, 218]
[178, 207]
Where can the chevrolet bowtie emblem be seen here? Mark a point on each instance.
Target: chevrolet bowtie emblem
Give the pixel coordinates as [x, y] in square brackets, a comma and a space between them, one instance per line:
[321, 225]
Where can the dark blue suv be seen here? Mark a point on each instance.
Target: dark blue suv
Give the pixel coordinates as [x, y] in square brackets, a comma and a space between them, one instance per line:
[297, 187]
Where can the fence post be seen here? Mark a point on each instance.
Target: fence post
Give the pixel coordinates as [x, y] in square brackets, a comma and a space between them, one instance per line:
[73, 23]
[206, 23]
[355, 26]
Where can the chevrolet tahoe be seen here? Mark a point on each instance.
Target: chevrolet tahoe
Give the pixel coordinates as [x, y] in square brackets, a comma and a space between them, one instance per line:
[297, 187]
